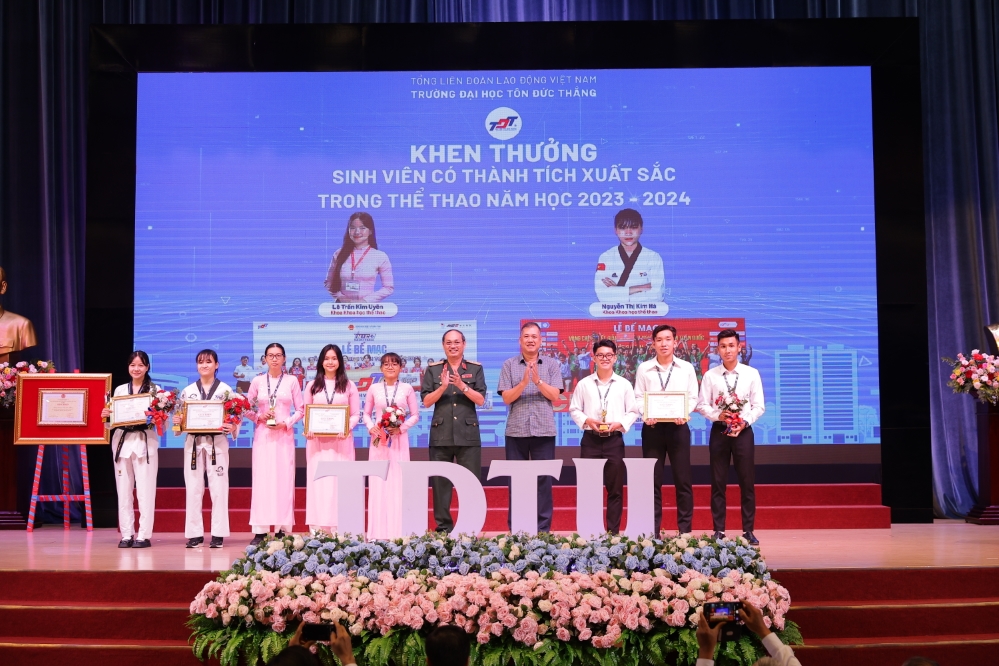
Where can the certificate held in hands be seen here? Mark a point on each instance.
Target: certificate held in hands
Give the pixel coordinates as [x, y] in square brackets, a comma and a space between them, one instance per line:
[326, 420]
[666, 406]
[129, 410]
[203, 416]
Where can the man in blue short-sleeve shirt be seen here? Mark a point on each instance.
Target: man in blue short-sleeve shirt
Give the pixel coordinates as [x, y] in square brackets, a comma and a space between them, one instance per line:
[529, 383]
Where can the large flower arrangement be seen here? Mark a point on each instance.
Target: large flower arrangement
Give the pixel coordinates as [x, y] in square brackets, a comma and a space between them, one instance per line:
[540, 601]
[8, 378]
[977, 375]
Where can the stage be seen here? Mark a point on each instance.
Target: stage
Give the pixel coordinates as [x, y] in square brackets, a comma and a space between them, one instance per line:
[861, 596]
[945, 543]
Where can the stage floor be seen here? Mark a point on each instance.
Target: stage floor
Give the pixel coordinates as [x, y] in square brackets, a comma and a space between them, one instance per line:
[941, 544]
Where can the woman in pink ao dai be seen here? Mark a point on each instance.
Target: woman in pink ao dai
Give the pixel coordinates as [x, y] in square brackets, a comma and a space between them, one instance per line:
[385, 497]
[330, 387]
[274, 395]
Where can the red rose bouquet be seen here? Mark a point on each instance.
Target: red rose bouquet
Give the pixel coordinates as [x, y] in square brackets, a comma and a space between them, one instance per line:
[163, 404]
[732, 404]
[392, 417]
[235, 405]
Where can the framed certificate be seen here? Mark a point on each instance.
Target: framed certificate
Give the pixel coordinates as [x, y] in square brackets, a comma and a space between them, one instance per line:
[666, 405]
[62, 407]
[203, 416]
[327, 420]
[127, 410]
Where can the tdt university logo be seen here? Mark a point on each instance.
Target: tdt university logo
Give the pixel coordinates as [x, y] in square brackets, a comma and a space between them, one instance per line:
[503, 123]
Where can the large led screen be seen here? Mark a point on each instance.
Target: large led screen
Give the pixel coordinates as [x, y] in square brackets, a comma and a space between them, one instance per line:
[744, 197]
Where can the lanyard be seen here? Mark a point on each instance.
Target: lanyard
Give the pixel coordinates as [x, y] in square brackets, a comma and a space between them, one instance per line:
[395, 391]
[731, 389]
[603, 399]
[272, 397]
[211, 393]
[663, 385]
[329, 400]
[355, 264]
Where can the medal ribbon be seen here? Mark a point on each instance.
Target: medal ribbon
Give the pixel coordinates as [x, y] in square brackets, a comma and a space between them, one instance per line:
[662, 386]
[731, 389]
[395, 391]
[272, 397]
[603, 399]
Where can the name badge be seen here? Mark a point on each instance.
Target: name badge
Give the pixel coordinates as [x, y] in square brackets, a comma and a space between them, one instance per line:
[352, 285]
[468, 376]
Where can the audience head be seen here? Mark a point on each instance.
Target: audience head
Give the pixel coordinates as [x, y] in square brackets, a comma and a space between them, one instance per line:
[448, 646]
[919, 661]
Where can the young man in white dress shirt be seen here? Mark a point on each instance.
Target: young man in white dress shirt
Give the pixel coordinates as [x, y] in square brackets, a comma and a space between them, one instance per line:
[737, 444]
[666, 372]
[603, 406]
[629, 272]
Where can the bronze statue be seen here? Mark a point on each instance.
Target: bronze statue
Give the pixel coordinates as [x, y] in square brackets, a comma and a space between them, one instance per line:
[16, 332]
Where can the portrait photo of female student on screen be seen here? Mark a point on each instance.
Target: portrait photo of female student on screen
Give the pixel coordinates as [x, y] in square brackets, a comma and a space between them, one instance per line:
[359, 264]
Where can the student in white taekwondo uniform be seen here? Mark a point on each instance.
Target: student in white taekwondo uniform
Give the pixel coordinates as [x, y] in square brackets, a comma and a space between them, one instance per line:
[136, 461]
[666, 372]
[206, 453]
[628, 272]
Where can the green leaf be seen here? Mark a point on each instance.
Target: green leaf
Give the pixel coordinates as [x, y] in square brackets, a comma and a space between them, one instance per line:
[230, 655]
[270, 646]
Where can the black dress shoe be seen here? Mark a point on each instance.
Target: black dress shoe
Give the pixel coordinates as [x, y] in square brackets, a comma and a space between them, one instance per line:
[718, 536]
[126, 543]
[751, 538]
[279, 535]
[216, 542]
[257, 538]
[141, 543]
[194, 542]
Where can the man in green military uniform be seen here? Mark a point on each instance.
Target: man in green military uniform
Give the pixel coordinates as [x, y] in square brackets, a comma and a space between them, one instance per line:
[454, 386]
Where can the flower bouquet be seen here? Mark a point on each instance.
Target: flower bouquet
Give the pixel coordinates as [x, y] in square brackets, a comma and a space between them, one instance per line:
[733, 404]
[163, 404]
[235, 405]
[392, 417]
[977, 376]
[8, 377]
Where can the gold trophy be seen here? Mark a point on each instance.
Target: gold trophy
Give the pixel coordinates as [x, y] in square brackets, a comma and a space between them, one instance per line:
[604, 428]
[176, 426]
[271, 422]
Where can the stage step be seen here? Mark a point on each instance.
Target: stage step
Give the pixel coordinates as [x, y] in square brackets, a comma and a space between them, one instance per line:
[862, 617]
[871, 617]
[97, 652]
[93, 618]
[802, 506]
